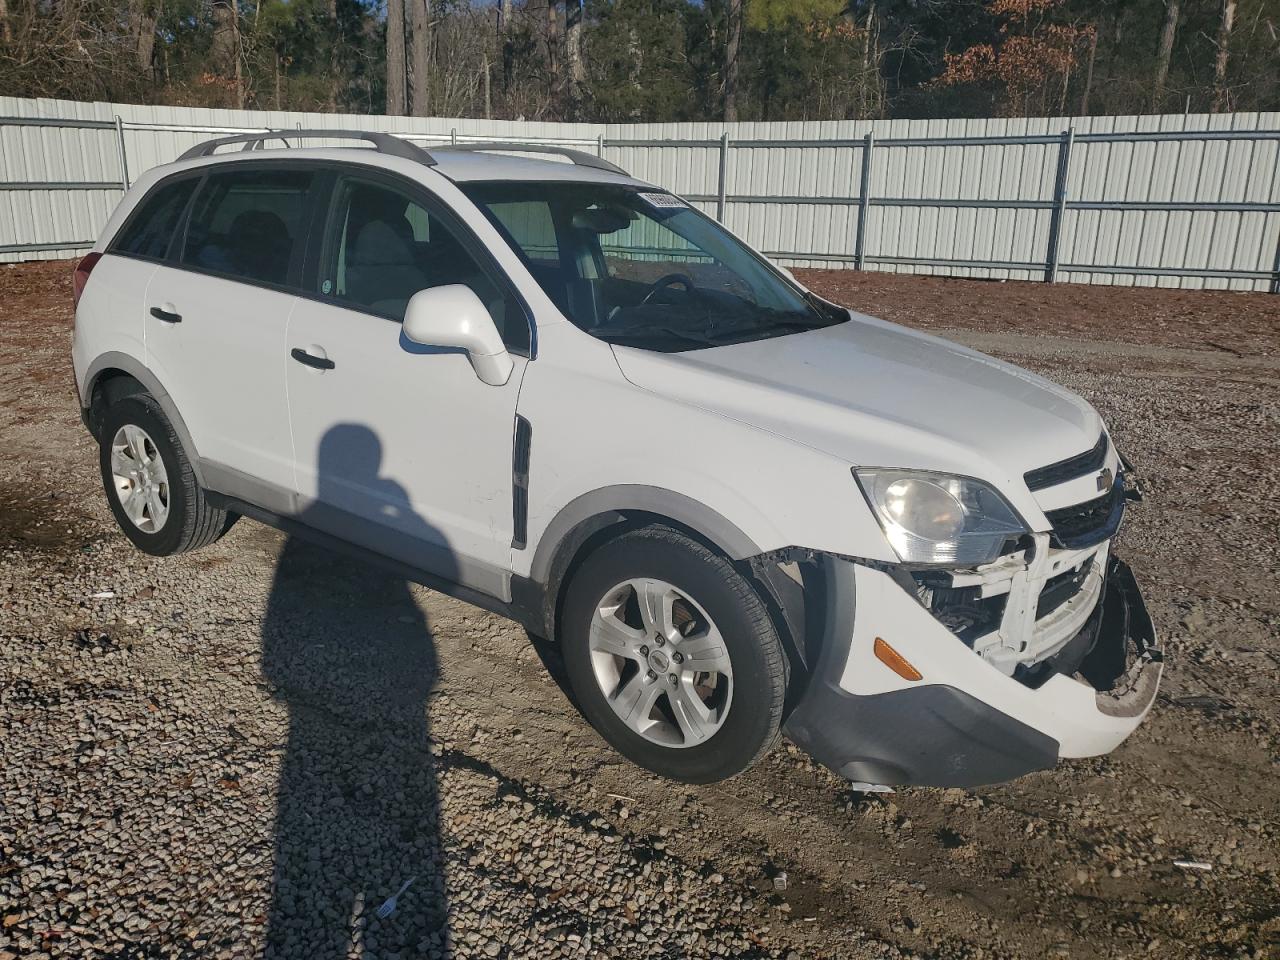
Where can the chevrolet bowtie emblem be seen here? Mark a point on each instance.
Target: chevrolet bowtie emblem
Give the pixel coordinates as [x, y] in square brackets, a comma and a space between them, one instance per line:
[1105, 479]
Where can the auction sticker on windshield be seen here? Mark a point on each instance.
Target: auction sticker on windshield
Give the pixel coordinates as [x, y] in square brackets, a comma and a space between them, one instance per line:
[663, 200]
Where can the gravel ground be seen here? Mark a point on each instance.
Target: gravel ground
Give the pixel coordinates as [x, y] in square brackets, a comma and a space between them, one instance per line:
[246, 750]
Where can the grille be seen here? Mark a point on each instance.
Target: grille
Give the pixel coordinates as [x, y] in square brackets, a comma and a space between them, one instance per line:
[1058, 590]
[1078, 466]
[1084, 524]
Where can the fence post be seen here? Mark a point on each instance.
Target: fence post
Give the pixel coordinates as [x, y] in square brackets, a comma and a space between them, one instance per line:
[1059, 204]
[124, 156]
[864, 201]
[600, 145]
[453, 136]
[724, 172]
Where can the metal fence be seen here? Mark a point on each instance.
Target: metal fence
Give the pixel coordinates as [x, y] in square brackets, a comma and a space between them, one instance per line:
[1175, 201]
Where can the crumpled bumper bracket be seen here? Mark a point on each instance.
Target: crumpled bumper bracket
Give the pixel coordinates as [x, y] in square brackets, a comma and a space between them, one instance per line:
[939, 735]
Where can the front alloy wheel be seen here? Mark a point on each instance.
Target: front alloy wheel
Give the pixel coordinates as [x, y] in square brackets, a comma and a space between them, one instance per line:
[673, 656]
[661, 663]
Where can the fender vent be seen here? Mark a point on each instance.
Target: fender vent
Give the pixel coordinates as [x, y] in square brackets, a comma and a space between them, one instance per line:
[520, 482]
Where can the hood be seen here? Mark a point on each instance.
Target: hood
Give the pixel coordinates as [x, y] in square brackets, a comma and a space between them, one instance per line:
[877, 394]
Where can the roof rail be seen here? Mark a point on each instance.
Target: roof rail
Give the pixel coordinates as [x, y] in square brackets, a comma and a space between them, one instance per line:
[579, 157]
[383, 142]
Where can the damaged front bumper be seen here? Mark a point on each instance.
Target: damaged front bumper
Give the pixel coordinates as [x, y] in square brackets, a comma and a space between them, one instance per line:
[964, 722]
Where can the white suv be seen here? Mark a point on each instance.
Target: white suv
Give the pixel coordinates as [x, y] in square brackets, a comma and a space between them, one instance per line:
[569, 397]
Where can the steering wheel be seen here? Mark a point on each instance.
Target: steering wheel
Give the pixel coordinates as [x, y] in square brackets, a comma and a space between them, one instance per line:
[663, 282]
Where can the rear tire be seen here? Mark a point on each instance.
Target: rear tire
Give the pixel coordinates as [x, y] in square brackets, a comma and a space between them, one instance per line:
[673, 656]
[150, 484]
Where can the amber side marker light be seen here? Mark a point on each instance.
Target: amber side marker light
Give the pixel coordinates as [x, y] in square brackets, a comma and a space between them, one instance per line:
[895, 661]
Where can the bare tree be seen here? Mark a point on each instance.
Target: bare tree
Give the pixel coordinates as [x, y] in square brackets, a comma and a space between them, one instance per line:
[1221, 95]
[397, 99]
[420, 59]
[6, 32]
[1164, 53]
[732, 43]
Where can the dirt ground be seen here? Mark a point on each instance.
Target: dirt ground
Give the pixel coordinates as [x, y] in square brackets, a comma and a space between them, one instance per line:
[143, 737]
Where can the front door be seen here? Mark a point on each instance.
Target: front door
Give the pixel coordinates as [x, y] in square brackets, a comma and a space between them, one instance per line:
[216, 316]
[398, 447]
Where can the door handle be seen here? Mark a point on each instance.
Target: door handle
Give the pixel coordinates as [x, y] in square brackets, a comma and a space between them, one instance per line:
[168, 316]
[311, 360]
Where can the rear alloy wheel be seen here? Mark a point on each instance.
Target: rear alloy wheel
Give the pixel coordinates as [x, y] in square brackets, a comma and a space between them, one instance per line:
[141, 480]
[673, 656]
[151, 487]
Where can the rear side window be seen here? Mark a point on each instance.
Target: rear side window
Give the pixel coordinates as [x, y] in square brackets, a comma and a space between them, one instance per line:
[150, 228]
[249, 224]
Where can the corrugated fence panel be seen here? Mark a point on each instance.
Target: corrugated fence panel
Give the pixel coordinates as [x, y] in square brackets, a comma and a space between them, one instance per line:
[958, 197]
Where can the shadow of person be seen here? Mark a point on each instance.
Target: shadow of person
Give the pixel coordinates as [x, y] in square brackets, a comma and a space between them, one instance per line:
[349, 653]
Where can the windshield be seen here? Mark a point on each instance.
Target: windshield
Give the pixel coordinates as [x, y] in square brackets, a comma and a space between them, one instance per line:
[637, 266]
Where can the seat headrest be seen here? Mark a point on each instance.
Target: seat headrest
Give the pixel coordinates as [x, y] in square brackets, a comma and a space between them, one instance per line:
[260, 227]
[379, 244]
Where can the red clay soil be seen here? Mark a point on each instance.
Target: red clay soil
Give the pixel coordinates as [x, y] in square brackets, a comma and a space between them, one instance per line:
[1246, 324]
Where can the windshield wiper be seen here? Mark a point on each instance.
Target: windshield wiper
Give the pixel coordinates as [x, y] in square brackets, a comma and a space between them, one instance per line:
[648, 330]
[769, 325]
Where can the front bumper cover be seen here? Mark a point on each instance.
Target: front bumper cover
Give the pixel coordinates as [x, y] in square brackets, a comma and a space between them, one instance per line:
[965, 724]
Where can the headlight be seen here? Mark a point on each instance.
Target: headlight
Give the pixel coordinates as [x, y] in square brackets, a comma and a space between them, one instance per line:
[937, 518]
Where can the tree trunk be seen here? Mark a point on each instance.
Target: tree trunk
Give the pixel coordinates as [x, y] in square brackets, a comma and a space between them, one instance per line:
[420, 62]
[335, 56]
[635, 58]
[238, 73]
[506, 17]
[551, 37]
[1088, 73]
[6, 32]
[1164, 53]
[1221, 95]
[397, 101]
[225, 52]
[864, 99]
[573, 54]
[488, 94]
[142, 25]
[733, 42]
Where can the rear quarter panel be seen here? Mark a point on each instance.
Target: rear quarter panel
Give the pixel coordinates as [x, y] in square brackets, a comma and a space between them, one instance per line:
[109, 318]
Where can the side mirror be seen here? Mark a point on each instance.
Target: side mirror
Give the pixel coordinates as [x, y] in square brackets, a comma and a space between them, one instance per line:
[453, 316]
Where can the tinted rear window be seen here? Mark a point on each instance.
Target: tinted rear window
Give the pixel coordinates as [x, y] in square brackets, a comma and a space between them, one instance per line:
[148, 231]
[249, 223]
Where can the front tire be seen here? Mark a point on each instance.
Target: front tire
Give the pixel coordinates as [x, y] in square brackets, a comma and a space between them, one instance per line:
[150, 485]
[673, 656]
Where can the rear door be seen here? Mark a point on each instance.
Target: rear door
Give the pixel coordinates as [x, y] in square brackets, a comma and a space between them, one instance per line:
[216, 316]
[399, 447]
